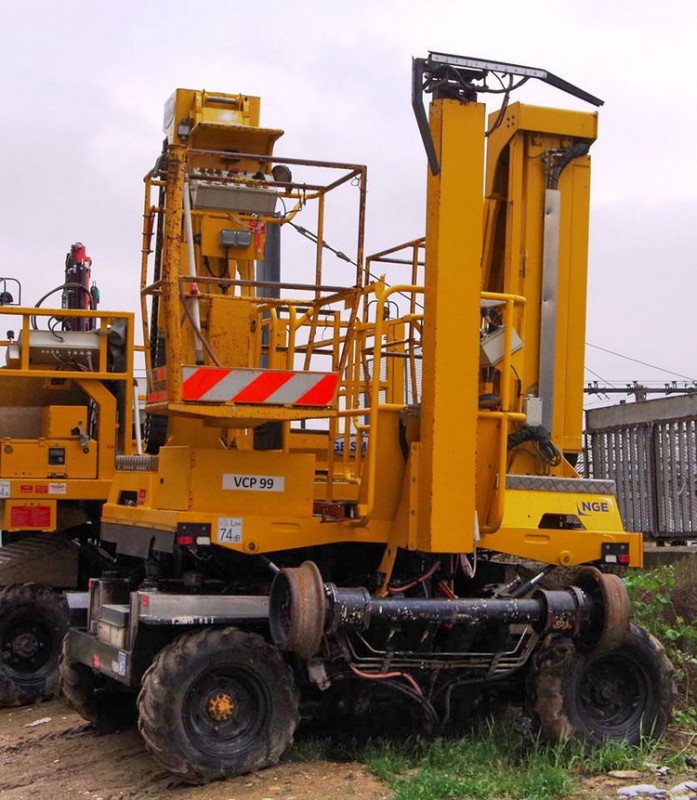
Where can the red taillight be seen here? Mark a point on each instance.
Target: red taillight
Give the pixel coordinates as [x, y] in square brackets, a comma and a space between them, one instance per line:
[184, 540]
[624, 558]
[96, 661]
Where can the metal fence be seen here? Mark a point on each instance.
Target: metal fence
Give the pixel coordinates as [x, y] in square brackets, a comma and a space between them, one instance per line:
[650, 450]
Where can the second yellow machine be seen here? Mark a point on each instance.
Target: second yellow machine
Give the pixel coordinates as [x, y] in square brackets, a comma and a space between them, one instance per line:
[66, 394]
[345, 473]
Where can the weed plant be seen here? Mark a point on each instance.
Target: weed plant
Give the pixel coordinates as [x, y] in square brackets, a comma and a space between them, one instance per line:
[664, 601]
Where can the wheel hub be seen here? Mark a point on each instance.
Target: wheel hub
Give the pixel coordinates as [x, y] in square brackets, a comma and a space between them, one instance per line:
[25, 645]
[612, 693]
[225, 708]
[607, 692]
[221, 707]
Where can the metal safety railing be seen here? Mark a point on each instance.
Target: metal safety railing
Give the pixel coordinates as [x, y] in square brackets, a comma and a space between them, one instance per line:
[174, 281]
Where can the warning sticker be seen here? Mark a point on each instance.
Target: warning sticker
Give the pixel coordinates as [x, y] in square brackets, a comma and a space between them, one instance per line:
[4, 489]
[229, 530]
[119, 664]
[57, 488]
[30, 517]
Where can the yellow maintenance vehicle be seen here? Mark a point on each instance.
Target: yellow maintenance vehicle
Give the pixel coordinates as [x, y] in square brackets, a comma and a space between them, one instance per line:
[66, 392]
[353, 471]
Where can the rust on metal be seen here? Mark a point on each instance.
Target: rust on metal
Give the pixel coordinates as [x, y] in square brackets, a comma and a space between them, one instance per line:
[610, 593]
[298, 604]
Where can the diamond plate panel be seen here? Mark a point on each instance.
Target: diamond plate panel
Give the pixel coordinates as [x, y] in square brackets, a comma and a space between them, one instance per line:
[551, 483]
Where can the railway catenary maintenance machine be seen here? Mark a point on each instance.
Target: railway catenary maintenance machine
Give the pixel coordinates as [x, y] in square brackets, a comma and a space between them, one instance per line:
[352, 469]
[65, 413]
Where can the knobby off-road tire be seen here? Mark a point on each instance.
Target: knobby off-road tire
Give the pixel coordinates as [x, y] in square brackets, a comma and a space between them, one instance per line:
[217, 703]
[624, 694]
[95, 697]
[33, 621]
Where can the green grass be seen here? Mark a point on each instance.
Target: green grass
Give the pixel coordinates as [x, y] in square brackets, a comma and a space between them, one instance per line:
[494, 761]
[310, 749]
[469, 768]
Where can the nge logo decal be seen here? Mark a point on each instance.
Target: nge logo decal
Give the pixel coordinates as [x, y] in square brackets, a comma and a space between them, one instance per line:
[586, 507]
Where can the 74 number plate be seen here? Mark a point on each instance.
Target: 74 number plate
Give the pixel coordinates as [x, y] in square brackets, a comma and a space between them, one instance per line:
[229, 530]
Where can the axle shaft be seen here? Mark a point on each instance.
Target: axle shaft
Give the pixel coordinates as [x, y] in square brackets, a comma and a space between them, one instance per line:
[303, 610]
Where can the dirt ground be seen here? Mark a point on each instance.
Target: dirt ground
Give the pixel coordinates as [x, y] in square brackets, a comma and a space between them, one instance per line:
[64, 759]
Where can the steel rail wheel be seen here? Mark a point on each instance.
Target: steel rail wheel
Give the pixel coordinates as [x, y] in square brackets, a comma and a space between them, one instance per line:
[217, 703]
[33, 621]
[623, 694]
[611, 594]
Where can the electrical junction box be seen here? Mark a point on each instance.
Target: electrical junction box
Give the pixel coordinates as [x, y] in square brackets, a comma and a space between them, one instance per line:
[533, 411]
[233, 238]
[219, 239]
[491, 346]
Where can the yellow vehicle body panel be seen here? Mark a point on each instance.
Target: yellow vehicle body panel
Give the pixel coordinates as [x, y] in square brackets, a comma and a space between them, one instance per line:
[523, 535]
[47, 458]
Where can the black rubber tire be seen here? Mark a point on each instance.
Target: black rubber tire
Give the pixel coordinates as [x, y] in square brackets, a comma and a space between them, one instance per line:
[625, 694]
[96, 698]
[33, 621]
[174, 705]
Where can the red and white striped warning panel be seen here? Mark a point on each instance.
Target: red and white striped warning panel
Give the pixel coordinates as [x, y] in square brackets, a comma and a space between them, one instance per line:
[259, 386]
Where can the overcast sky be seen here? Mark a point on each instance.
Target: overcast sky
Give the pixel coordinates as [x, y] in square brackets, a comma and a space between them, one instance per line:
[85, 82]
